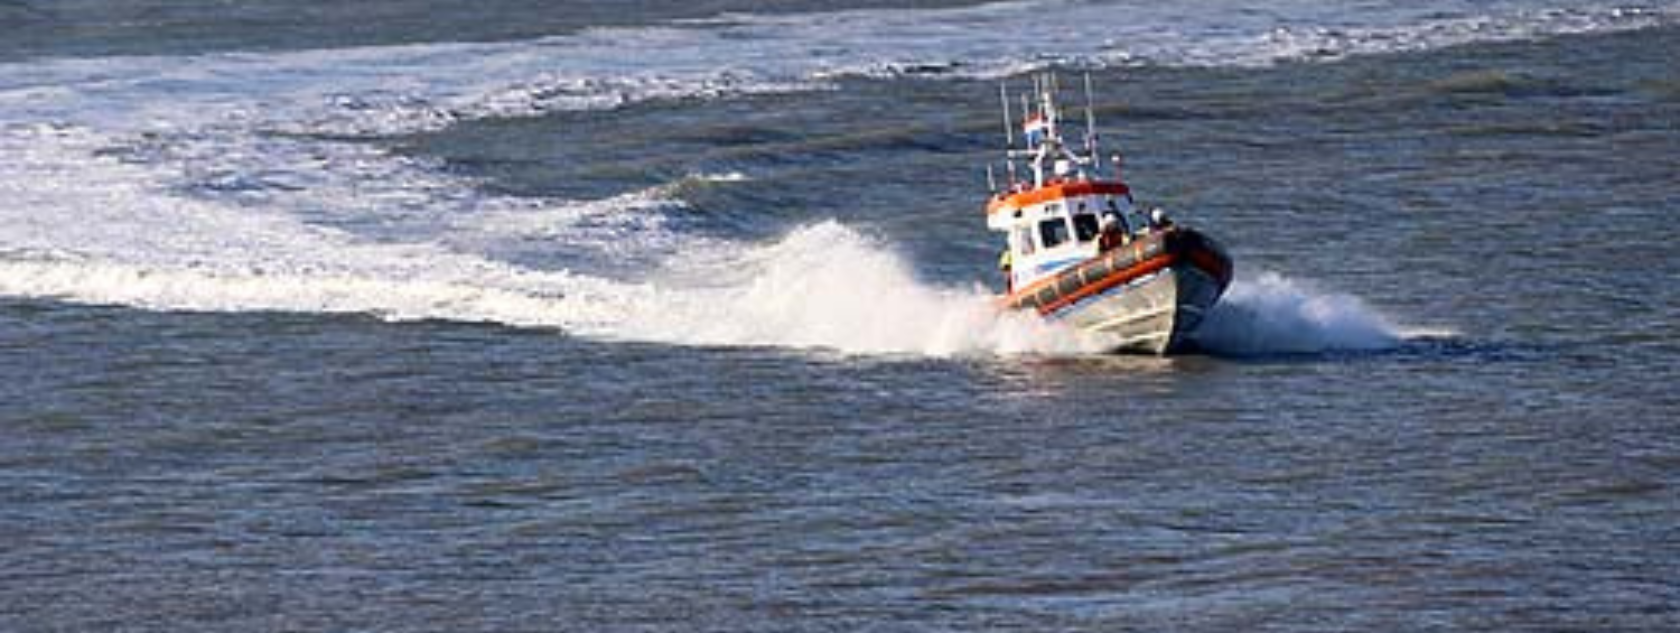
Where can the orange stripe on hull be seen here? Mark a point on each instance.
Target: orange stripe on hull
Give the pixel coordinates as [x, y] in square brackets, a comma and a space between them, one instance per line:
[1147, 255]
[1140, 269]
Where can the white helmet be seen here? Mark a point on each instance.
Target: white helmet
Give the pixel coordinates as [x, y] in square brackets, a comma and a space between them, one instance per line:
[1158, 216]
[1063, 167]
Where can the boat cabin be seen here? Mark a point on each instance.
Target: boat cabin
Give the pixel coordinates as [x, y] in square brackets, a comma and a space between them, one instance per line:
[1053, 217]
[1053, 227]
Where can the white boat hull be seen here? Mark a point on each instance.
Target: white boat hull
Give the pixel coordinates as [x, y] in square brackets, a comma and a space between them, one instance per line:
[1152, 315]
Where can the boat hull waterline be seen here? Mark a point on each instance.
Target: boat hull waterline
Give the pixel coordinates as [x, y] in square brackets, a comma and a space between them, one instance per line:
[1144, 297]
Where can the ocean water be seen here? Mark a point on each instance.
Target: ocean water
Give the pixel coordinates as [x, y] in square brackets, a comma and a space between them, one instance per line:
[649, 316]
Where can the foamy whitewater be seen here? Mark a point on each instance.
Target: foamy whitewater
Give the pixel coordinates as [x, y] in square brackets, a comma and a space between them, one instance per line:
[212, 182]
[1271, 314]
[823, 286]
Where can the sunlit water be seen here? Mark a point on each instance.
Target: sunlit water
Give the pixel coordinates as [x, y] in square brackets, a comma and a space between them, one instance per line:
[679, 318]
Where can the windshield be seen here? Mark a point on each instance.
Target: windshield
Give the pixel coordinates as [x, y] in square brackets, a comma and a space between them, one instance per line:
[1053, 232]
[1085, 227]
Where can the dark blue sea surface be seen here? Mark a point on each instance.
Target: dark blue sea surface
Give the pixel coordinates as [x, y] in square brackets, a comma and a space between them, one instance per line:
[676, 316]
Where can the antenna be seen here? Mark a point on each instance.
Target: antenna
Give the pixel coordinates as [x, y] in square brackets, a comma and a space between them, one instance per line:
[1008, 123]
[1026, 113]
[1090, 118]
[1052, 115]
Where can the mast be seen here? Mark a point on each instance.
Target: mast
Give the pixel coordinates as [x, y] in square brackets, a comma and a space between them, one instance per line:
[1026, 113]
[1090, 124]
[1045, 152]
[1009, 142]
[1008, 122]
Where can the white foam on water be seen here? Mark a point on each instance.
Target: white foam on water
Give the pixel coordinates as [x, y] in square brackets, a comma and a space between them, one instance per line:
[89, 227]
[397, 89]
[808, 291]
[620, 219]
[198, 289]
[130, 242]
[1272, 314]
[828, 286]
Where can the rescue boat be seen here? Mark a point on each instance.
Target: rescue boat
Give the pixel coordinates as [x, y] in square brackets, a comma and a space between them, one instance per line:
[1079, 250]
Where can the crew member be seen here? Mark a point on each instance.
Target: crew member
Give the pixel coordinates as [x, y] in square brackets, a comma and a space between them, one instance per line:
[1006, 265]
[1110, 235]
[1158, 219]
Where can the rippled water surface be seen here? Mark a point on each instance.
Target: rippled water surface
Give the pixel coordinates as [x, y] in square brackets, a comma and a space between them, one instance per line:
[675, 318]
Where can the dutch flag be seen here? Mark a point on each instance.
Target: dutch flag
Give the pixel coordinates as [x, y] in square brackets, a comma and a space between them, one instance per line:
[1034, 129]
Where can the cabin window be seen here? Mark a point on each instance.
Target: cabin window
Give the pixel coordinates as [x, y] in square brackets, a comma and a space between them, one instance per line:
[1085, 227]
[1053, 232]
[1024, 241]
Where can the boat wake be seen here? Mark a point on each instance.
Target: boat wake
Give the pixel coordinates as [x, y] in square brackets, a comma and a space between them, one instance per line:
[828, 286]
[824, 287]
[144, 240]
[1271, 315]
